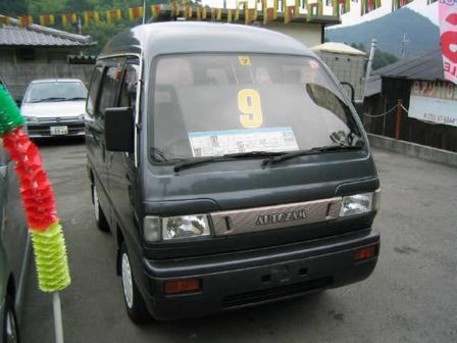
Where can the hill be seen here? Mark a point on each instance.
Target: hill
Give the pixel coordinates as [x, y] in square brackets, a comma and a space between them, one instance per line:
[389, 30]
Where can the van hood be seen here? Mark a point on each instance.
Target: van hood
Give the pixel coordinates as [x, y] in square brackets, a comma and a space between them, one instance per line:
[244, 184]
[54, 109]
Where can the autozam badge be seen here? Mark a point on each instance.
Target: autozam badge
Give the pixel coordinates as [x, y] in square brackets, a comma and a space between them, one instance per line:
[282, 217]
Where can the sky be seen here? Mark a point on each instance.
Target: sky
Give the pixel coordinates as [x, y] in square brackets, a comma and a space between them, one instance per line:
[354, 17]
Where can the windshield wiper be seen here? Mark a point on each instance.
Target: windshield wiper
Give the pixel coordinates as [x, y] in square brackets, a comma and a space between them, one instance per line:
[252, 154]
[313, 151]
[49, 99]
[75, 98]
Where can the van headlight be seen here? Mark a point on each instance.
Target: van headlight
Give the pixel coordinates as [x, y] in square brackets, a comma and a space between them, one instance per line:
[179, 227]
[360, 203]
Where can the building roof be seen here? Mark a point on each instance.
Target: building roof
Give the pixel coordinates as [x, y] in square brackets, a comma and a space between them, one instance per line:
[338, 48]
[37, 35]
[373, 85]
[427, 67]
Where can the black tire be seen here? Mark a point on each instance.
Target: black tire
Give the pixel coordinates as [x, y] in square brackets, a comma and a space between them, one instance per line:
[134, 302]
[10, 325]
[100, 218]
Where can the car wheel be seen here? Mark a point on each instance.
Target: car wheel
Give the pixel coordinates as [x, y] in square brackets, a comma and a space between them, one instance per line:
[136, 307]
[10, 328]
[100, 218]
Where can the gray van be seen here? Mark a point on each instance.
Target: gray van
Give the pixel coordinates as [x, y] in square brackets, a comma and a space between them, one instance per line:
[229, 166]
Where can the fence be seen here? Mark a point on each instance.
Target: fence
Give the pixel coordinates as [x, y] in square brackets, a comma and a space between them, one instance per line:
[387, 115]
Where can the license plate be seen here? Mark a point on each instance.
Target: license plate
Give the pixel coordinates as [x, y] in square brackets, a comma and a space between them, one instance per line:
[59, 130]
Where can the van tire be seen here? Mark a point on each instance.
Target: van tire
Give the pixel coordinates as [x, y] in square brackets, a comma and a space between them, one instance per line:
[10, 324]
[100, 217]
[134, 302]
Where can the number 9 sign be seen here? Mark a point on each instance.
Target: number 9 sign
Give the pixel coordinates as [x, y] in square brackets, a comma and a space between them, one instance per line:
[249, 105]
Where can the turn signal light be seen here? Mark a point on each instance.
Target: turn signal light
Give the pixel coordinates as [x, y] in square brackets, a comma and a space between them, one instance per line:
[365, 253]
[182, 286]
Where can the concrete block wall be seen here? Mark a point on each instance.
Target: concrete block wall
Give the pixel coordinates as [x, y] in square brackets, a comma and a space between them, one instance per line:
[17, 77]
[422, 152]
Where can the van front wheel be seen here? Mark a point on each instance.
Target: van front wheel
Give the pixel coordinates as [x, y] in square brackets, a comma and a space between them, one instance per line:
[100, 218]
[136, 308]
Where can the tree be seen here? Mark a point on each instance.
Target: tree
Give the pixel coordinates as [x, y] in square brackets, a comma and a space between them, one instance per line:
[381, 58]
[13, 8]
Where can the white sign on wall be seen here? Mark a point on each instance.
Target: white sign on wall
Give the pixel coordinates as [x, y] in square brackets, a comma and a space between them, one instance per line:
[434, 102]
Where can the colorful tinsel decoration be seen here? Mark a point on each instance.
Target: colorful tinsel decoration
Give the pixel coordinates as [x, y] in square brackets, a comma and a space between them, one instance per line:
[37, 198]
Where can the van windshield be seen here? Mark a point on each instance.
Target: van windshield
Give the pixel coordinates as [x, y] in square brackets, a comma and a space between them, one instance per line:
[213, 105]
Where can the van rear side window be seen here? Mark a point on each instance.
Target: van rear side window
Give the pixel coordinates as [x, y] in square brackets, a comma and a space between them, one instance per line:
[211, 105]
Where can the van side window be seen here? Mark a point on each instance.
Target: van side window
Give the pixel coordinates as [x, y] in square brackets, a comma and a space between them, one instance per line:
[129, 86]
[93, 90]
[109, 88]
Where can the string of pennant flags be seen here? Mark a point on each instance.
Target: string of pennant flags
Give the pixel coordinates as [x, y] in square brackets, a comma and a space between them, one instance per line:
[269, 10]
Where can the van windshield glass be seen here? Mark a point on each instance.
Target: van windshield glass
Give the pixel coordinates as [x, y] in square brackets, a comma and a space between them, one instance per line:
[213, 105]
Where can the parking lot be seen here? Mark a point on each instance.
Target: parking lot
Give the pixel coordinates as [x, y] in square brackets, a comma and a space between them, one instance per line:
[411, 296]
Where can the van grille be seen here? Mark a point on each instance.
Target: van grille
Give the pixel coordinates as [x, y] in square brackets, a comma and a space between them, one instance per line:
[257, 219]
[276, 293]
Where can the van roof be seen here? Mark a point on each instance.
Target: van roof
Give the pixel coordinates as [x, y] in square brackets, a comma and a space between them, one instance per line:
[187, 37]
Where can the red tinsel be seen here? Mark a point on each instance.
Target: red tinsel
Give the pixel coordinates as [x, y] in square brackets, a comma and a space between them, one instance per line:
[36, 190]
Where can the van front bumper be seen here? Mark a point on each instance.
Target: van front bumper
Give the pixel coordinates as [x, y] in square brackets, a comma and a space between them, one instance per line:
[248, 278]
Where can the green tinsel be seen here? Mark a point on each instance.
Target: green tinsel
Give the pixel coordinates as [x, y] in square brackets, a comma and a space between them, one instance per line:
[10, 117]
[51, 259]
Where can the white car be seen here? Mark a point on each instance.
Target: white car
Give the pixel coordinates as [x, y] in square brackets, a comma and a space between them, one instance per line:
[55, 107]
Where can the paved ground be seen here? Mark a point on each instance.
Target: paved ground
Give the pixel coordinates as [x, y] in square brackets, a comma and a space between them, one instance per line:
[411, 297]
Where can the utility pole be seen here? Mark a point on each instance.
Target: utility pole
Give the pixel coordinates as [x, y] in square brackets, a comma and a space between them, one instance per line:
[404, 45]
[370, 63]
[80, 31]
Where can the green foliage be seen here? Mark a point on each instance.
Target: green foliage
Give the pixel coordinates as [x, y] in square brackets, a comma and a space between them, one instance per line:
[381, 58]
[13, 8]
[41, 7]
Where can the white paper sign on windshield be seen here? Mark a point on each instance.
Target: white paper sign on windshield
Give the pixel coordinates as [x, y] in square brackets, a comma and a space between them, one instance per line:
[217, 143]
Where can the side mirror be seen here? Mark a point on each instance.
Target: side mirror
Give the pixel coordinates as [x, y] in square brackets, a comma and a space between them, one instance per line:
[119, 129]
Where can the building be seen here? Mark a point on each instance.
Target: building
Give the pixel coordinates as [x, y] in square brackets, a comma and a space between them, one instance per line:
[346, 62]
[44, 52]
[428, 115]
